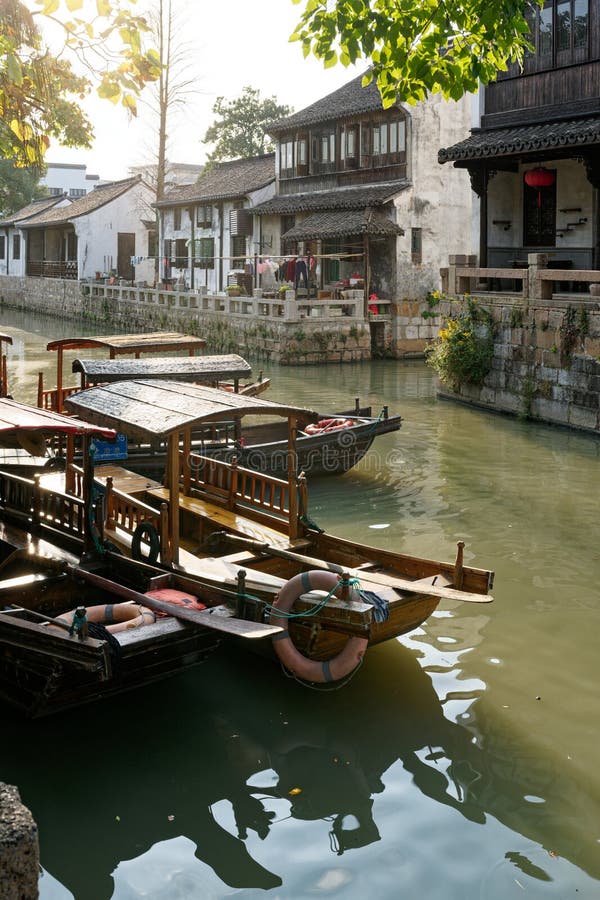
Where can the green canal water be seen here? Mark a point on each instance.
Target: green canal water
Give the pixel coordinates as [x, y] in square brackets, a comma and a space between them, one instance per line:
[460, 763]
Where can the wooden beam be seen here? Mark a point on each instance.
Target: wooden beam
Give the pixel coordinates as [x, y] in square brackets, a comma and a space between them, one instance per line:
[373, 578]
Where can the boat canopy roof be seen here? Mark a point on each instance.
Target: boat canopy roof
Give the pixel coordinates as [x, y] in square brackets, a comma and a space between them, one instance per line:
[147, 409]
[178, 368]
[152, 342]
[5, 339]
[28, 427]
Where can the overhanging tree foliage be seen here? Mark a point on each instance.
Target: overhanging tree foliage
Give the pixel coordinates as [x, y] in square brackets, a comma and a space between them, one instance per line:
[418, 47]
[242, 126]
[18, 187]
[41, 91]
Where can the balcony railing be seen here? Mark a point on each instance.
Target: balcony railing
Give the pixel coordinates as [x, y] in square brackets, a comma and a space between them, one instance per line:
[52, 268]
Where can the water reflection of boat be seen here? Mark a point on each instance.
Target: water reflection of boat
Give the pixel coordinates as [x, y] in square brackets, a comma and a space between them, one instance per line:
[331, 759]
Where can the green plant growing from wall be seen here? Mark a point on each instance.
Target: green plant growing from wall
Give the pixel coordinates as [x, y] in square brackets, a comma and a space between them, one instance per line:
[583, 321]
[527, 395]
[574, 327]
[432, 299]
[516, 317]
[465, 346]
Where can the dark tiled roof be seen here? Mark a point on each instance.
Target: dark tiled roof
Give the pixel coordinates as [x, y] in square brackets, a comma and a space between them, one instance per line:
[350, 100]
[341, 223]
[33, 209]
[226, 180]
[527, 139]
[100, 196]
[341, 198]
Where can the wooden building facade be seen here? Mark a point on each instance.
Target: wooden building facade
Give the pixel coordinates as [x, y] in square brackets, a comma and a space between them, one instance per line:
[534, 160]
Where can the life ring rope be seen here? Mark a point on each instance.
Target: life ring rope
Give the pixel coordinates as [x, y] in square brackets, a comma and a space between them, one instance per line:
[316, 671]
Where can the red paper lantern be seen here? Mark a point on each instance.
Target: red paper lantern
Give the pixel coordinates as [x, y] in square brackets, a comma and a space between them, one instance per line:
[539, 178]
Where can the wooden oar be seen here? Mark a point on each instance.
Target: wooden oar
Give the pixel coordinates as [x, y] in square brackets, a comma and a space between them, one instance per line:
[401, 584]
[216, 617]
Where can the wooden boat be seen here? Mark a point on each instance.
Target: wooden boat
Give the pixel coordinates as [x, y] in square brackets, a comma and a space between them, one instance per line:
[206, 505]
[332, 445]
[230, 530]
[225, 371]
[53, 657]
[44, 665]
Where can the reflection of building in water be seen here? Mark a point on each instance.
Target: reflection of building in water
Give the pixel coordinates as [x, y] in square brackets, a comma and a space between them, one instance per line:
[190, 750]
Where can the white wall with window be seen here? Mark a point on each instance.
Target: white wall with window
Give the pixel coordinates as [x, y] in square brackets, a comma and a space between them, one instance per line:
[70, 179]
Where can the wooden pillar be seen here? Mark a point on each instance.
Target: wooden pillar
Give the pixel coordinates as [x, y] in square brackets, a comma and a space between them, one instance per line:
[59, 380]
[69, 473]
[480, 176]
[233, 483]
[165, 548]
[173, 486]
[367, 274]
[187, 466]
[109, 512]
[291, 473]
[87, 493]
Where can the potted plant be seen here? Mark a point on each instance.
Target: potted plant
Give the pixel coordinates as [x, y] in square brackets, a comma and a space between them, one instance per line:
[233, 290]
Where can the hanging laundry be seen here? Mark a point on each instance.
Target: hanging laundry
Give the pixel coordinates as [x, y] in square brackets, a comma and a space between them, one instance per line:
[300, 273]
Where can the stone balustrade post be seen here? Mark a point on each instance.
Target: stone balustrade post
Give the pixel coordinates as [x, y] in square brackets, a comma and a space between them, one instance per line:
[290, 309]
[538, 289]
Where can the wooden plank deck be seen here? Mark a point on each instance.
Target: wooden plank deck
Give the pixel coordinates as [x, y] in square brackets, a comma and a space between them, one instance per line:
[229, 519]
[124, 480]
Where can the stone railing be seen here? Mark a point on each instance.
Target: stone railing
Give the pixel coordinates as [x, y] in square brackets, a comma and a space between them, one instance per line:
[286, 308]
[539, 281]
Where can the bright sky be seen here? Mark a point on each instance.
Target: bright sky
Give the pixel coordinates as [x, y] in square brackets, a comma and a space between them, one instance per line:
[234, 43]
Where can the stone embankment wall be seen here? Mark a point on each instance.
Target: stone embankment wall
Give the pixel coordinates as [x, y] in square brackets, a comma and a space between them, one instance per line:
[19, 849]
[303, 341]
[546, 362]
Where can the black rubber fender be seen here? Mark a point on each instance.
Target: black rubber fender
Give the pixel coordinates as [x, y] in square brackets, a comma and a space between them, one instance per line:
[145, 529]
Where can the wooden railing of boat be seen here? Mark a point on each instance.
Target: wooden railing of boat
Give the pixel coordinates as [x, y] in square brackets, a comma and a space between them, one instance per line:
[238, 489]
[49, 399]
[123, 514]
[47, 507]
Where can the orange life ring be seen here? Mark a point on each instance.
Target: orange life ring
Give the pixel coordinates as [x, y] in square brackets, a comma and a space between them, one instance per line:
[328, 425]
[115, 616]
[316, 671]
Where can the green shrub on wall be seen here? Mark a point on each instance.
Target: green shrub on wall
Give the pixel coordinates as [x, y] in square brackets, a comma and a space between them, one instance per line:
[464, 348]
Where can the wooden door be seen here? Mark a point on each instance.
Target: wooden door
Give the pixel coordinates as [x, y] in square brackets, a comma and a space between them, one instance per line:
[539, 212]
[125, 250]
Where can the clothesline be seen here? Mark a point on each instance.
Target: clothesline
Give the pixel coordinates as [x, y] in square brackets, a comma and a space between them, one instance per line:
[276, 257]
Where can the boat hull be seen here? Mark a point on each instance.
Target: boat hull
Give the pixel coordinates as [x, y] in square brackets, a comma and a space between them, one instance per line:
[264, 448]
[44, 670]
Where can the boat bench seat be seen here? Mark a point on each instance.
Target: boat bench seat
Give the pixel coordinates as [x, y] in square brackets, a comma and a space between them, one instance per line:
[231, 520]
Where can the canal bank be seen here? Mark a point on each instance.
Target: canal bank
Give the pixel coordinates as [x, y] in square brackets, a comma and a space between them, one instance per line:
[281, 329]
[546, 359]
[470, 742]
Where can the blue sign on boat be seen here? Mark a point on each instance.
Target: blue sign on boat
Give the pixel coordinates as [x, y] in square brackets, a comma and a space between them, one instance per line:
[104, 450]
